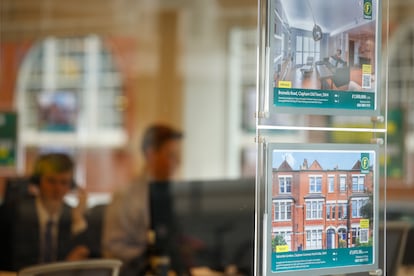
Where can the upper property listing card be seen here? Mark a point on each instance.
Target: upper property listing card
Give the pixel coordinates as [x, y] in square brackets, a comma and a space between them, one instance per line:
[323, 56]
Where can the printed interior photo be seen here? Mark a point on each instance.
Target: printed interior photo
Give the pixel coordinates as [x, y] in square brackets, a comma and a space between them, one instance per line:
[327, 45]
[57, 111]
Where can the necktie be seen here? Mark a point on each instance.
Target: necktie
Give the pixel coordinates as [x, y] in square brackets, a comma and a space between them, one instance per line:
[48, 243]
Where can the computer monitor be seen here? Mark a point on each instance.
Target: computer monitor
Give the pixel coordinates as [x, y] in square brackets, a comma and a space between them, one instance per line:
[396, 235]
[396, 238]
[218, 215]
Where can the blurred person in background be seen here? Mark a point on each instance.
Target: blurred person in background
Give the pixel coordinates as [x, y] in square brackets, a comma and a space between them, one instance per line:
[146, 206]
[43, 228]
[338, 57]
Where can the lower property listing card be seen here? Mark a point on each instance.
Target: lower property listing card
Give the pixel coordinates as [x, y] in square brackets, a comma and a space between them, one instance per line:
[322, 209]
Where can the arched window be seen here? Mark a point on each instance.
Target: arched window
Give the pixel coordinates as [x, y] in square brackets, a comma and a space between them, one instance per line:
[69, 91]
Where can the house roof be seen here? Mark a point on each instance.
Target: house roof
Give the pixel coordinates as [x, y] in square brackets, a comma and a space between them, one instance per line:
[284, 166]
[315, 166]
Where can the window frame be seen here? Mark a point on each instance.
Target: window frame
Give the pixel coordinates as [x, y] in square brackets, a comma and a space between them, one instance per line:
[285, 184]
[313, 187]
[314, 209]
[287, 210]
[360, 187]
[359, 203]
[342, 185]
[331, 185]
[314, 238]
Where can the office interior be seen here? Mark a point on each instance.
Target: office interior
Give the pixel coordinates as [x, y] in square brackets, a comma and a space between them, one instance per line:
[118, 66]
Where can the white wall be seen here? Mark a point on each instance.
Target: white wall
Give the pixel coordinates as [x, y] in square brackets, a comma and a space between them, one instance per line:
[204, 68]
[215, 71]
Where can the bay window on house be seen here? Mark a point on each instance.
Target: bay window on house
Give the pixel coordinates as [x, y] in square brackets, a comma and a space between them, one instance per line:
[313, 238]
[357, 204]
[314, 209]
[282, 210]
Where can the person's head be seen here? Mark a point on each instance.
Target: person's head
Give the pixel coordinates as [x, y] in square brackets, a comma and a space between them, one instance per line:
[161, 147]
[53, 173]
[338, 52]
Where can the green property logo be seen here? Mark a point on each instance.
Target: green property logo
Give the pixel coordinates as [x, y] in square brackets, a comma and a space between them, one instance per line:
[367, 9]
[365, 163]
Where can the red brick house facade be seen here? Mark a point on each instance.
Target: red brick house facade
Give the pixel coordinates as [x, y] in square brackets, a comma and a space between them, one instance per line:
[315, 208]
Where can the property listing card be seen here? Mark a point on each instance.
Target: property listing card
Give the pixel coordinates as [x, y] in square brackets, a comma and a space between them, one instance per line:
[322, 208]
[324, 56]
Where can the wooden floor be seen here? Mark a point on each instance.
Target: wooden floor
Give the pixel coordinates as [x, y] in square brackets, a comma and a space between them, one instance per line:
[311, 81]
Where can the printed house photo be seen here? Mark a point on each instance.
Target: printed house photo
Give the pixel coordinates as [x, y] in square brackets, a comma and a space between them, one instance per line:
[321, 200]
[328, 45]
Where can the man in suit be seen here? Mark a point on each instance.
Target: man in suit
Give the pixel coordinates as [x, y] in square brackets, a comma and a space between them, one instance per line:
[145, 207]
[43, 228]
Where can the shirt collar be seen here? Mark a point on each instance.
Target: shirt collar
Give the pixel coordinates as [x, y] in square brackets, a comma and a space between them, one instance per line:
[43, 214]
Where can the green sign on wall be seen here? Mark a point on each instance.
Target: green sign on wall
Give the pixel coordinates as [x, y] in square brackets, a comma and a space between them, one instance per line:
[8, 139]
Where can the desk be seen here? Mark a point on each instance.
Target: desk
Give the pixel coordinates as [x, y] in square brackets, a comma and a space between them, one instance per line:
[8, 273]
[406, 271]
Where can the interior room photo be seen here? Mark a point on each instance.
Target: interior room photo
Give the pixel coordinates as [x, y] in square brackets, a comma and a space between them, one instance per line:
[319, 45]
